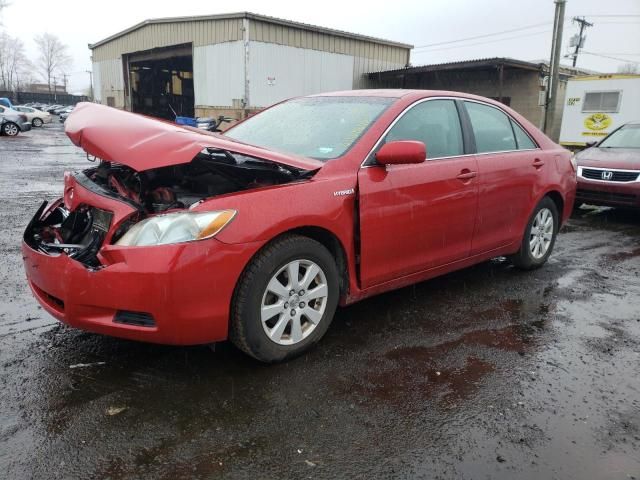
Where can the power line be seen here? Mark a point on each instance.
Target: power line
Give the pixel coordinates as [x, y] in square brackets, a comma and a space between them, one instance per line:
[483, 36]
[611, 15]
[618, 53]
[485, 42]
[610, 57]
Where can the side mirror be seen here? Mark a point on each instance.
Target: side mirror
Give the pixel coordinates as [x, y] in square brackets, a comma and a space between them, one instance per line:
[401, 152]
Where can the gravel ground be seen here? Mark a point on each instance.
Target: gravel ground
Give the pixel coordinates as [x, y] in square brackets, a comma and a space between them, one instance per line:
[489, 372]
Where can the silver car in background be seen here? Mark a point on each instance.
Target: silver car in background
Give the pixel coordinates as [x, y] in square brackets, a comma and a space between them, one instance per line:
[13, 122]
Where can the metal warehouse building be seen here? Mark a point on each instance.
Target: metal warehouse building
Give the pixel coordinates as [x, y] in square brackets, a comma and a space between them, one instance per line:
[231, 64]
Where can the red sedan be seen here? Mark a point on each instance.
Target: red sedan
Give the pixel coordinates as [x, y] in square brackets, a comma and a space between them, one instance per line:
[609, 172]
[181, 237]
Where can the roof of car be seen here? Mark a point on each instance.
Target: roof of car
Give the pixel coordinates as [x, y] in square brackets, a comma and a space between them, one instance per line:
[400, 93]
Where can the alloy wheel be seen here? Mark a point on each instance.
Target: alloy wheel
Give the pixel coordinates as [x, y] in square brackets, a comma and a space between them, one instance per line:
[294, 302]
[541, 233]
[11, 129]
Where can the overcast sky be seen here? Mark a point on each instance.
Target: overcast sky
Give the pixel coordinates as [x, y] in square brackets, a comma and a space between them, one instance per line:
[418, 22]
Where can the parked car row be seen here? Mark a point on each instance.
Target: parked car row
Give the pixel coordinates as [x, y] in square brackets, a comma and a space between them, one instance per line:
[20, 118]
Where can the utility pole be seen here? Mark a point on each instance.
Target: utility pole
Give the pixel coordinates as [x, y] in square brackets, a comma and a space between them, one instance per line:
[580, 41]
[64, 81]
[90, 83]
[554, 66]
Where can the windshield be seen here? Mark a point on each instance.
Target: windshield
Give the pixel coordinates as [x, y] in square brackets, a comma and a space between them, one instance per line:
[626, 137]
[318, 127]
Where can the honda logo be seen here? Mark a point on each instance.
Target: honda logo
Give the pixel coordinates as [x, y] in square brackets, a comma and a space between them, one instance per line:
[607, 175]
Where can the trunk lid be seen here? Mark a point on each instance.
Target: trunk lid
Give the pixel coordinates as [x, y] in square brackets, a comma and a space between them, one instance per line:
[143, 143]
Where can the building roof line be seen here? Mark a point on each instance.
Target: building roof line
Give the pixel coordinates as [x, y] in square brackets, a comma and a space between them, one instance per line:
[251, 16]
[478, 63]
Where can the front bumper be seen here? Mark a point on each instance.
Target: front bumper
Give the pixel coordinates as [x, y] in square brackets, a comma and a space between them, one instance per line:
[186, 288]
[611, 194]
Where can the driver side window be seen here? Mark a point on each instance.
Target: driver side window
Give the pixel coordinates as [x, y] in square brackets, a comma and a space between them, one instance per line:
[435, 123]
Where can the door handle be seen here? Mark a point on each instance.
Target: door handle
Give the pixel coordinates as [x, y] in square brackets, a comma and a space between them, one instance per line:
[466, 175]
[537, 163]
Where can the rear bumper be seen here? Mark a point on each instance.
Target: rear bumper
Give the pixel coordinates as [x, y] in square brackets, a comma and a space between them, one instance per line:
[186, 288]
[25, 127]
[613, 194]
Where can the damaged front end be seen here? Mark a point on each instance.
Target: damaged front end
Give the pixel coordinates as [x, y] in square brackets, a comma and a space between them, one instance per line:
[78, 234]
[155, 206]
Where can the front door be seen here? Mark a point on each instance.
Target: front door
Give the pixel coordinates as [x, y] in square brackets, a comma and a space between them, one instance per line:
[417, 217]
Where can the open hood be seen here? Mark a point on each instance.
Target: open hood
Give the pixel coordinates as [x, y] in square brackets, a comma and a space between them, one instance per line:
[143, 143]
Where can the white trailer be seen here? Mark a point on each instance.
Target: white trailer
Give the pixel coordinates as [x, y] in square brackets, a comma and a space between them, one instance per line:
[595, 105]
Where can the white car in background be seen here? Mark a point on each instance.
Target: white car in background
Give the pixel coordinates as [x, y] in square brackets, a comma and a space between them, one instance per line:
[36, 117]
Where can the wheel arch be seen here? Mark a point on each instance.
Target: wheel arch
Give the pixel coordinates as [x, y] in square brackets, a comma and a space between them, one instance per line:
[332, 243]
[325, 237]
[558, 199]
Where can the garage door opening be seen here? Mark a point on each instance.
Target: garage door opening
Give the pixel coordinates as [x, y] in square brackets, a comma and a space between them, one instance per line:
[161, 82]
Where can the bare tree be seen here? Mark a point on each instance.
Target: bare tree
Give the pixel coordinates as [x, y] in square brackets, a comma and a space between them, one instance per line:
[14, 65]
[629, 68]
[53, 57]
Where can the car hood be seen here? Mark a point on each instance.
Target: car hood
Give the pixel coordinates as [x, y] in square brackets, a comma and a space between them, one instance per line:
[622, 158]
[143, 143]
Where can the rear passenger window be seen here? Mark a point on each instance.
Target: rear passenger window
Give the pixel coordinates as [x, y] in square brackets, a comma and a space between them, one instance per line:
[522, 139]
[436, 124]
[491, 127]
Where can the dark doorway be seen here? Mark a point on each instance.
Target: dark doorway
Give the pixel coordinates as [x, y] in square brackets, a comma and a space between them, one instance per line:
[161, 82]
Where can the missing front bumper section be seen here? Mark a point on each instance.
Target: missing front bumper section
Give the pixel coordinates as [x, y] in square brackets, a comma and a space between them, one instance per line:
[78, 234]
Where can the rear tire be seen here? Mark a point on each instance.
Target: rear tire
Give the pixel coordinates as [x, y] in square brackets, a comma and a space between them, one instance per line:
[37, 122]
[539, 236]
[285, 299]
[10, 129]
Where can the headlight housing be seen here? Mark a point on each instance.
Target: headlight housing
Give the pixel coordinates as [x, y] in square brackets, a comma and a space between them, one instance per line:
[176, 228]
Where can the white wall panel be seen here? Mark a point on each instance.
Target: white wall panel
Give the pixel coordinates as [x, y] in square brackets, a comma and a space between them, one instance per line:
[277, 72]
[218, 74]
[109, 81]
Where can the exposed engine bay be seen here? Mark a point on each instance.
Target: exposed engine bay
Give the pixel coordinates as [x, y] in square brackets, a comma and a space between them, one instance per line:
[213, 172]
[210, 173]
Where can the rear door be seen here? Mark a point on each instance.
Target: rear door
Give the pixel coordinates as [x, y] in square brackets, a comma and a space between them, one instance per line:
[416, 217]
[510, 167]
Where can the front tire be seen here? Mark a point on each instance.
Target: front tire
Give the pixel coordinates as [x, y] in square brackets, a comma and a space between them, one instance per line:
[37, 122]
[539, 236]
[10, 129]
[285, 299]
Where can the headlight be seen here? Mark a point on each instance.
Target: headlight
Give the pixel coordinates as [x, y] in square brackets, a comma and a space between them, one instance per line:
[574, 161]
[176, 228]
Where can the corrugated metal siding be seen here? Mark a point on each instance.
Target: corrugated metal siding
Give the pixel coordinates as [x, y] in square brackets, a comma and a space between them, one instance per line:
[218, 74]
[205, 32]
[109, 81]
[362, 66]
[296, 37]
[296, 71]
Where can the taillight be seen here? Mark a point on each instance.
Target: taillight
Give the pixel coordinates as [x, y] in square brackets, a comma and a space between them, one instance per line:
[23, 118]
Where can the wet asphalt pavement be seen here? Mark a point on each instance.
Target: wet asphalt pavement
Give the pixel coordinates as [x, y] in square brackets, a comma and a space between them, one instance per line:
[489, 372]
